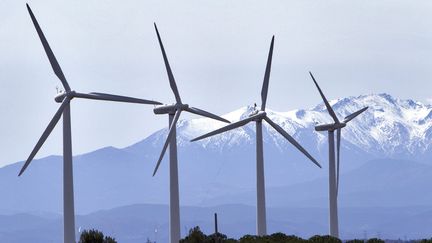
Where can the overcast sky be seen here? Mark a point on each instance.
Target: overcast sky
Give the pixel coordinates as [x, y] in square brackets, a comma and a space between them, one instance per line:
[217, 50]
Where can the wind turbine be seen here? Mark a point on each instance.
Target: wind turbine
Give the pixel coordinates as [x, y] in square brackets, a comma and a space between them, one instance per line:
[334, 168]
[258, 117]
[64, 110]
[174, 111]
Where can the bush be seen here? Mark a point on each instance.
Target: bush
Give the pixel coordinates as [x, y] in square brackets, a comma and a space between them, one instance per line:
[95, 236]
[230, 240]
[375, 240]
[324, 239]
[249, 239]
[221, 238]
[355, 241]
[195, 236]
[109, 239]
[294, 239]
[281, 238]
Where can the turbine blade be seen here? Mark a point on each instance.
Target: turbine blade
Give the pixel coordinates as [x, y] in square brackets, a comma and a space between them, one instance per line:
[168, 68]
[206, 114]
[226, 128]
[45, 134]
[338, 141]
[117, 98]
[54, 64]
[291, 140]
[353, 115]
[264, 89]
[167, 141]
[329, 108]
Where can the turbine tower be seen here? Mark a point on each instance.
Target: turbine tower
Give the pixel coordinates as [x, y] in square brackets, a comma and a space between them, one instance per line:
[334, 167]
[64, 110]
[258, 116]
[174, 111]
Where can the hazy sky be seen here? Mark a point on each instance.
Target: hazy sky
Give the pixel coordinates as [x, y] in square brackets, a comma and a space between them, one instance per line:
[217, 51]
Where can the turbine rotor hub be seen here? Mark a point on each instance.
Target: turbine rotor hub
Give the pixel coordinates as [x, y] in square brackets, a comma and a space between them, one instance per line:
[260, 115]
[169, 109]
[61, 96]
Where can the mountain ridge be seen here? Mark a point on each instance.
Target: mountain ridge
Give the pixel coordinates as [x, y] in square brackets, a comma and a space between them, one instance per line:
[212, 169]
[391, 127]
[135, 223]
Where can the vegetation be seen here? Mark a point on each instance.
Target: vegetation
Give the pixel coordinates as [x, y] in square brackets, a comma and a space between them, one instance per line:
[324, 239]
[95, 236]
[197, 236]
[375, 240]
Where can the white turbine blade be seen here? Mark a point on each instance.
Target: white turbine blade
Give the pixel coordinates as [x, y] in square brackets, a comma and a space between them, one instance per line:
[54, 64]
[168, 68]
[338, 142]
[226, 128]
[264, 89]
[353, 115]
[329, 108]
[167, 141]
[206, 114]
[291, 140]
[116, 98]
[45, 134]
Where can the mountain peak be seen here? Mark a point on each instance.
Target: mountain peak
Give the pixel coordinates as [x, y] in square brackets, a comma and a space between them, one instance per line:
[390, 127]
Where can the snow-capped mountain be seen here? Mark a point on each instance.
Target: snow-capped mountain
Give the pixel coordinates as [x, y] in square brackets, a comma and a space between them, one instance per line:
[391, 127]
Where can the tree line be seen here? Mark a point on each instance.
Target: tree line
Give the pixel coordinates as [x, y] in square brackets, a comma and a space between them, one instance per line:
[197, 236]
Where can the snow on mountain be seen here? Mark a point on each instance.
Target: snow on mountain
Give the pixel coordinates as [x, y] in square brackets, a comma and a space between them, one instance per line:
[391, 127]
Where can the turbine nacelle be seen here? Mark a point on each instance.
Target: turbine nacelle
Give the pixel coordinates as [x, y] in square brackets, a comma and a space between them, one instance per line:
[329, 127]
[62, 95]
[170, 109]
[258, 115]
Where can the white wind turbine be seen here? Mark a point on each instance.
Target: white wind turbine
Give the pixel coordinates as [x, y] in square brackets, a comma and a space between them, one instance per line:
[173, 112]
[258, 117]
[64, 110]
[334, 168]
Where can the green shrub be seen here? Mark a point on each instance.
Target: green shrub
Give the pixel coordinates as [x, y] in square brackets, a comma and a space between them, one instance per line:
[249, 239]
[109, 239]
[195, 236]
[324, 239]
[355, 241]
[95, 236]
[281, 238]
[375, 240]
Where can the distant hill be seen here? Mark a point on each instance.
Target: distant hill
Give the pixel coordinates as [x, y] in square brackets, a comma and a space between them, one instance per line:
[136, 223]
